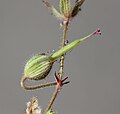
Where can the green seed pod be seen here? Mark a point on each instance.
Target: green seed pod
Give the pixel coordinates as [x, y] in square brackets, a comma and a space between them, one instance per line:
[38, 67]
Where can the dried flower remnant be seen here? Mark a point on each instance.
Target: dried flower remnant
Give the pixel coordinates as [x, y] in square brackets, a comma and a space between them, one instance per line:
[33, 107]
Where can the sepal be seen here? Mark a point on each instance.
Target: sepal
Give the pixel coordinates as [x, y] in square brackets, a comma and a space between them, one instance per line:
[64, 6]
[77, 7]
[54, 11]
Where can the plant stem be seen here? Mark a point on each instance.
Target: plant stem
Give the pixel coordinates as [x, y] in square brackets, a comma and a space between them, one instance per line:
[57, 89]
[63, 44]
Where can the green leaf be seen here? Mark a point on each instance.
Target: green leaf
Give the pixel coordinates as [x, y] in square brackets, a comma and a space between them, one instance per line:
[77, 8]
[50, 112]
[65, 7]
[54, 11]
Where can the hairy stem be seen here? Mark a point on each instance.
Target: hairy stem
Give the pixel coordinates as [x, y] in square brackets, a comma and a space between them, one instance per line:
[36, 86]
[61, 68]
[63, 44]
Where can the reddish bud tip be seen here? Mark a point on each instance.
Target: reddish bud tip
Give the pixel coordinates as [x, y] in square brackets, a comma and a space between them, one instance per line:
[97, 32]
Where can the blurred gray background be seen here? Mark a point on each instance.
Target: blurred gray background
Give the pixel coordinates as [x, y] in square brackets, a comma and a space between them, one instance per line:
[27, 28]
